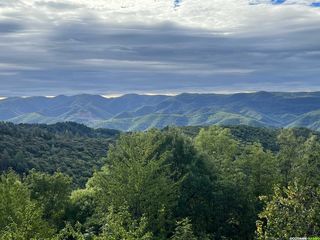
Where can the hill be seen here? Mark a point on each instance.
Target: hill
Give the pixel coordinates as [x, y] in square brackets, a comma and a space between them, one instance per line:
[78, 150]
[71, 148]
[140, 112]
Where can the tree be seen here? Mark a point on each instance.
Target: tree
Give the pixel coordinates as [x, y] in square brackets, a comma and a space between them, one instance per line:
[219, 147]
[257, 170]
[290, 154]
[69, 232]
[20, 217]
[184, 230]
[240, 171]
[307, 172]
[299, 158]
[290, 212]
[138, 174]
[52, 192]
[121, 225]
[18, 162]
[198, 181]
[82, 206]
[4, 160]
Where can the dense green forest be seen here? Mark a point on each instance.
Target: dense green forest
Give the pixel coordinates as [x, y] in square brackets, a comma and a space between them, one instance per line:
[70, 148]
[176, 183]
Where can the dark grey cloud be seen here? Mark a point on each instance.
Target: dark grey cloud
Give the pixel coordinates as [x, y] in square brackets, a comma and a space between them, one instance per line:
[9, 27]
[85, 54]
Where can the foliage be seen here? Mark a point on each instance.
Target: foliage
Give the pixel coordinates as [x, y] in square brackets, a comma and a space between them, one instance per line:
[121, 225]
[70, 148]
[69, 232]
[184, 230]
[291, 212]
[20, 217]
[52, 193]
[257, 169]
[213, 183]
[138, 174]
[218, 145]
[82, 205]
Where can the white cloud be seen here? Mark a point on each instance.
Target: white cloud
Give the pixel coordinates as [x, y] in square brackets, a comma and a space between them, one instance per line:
[215, 15]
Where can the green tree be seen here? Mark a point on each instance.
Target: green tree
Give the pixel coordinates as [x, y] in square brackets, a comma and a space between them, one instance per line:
[290, 212]
[18, 162]
[82, 206]
[257, 170]
[121, 226]
[299, 158]
[184, 230]
[52, 192]
[307, 171]
[4, 160]
[219, 146]
[290, 154]
[234, 201]
[139, 175]
[20, 217]
[70, 233]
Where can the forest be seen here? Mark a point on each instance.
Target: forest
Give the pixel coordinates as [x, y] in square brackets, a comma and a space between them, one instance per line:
[70, 182]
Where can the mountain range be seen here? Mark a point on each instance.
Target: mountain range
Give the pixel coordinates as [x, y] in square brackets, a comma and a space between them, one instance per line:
[140, 112]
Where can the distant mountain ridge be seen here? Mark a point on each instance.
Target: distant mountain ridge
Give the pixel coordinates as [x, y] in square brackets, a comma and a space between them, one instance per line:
[140, 112]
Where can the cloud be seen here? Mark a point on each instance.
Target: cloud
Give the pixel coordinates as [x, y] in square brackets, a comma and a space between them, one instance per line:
[75, 46]
[9, 27]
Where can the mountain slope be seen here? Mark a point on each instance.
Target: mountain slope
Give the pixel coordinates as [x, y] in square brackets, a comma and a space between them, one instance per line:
[140, 112]
[71, 148]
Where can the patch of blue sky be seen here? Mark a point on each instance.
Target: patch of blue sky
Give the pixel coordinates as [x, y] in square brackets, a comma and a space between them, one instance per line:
[278, 1]
[274, 2]
[315, 4]
[177, 3]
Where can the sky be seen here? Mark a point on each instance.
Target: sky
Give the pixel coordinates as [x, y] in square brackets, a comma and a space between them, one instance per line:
[111, 47]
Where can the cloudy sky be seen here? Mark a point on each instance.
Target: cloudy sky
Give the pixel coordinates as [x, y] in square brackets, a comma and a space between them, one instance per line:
[51, 47]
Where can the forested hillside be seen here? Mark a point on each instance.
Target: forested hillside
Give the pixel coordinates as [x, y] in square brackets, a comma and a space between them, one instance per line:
[141, 112]
[71, 148]
[190, 183]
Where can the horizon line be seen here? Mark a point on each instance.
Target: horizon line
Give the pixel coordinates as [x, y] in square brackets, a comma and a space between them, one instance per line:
[117, 95]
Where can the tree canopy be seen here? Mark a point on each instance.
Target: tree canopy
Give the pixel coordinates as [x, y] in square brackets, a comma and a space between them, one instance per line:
[170, 184]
